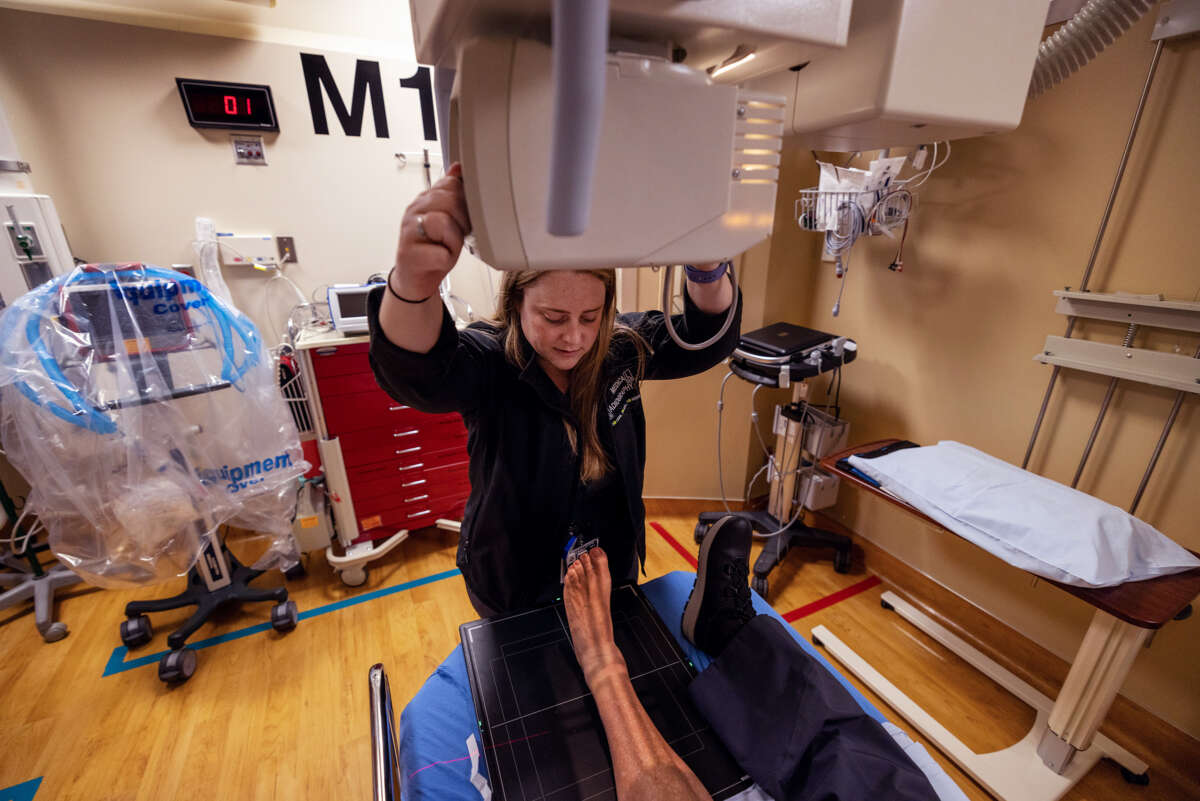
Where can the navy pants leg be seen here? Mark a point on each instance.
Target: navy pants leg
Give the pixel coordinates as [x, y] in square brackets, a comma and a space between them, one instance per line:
[794, 729]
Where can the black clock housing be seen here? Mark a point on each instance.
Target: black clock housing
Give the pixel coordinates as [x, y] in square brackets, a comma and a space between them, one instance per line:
[232, 106]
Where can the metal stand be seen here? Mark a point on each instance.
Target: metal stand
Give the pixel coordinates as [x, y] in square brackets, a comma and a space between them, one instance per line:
[783, 508]
[1042, 766]
[30, 580]
[1182, 19]
[39, 585]
[776, 548]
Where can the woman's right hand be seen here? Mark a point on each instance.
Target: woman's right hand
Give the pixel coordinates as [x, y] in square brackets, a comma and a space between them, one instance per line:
[431, 236]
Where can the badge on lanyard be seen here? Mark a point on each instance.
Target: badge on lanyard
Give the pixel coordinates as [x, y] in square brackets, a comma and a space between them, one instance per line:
[573, 550]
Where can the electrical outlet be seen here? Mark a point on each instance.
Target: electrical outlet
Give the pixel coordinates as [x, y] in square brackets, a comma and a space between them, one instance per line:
[249, 150]
[287, 249]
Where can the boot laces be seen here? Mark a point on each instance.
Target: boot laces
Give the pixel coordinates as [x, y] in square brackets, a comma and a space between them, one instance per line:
[737, 588]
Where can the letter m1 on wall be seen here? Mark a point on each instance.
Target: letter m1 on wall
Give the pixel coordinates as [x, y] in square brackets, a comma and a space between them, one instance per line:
[367, 80]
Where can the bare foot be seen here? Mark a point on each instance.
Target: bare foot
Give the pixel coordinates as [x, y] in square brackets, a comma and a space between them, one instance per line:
[587, 594]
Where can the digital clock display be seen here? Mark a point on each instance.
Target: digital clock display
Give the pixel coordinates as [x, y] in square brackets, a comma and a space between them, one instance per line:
[236, 106]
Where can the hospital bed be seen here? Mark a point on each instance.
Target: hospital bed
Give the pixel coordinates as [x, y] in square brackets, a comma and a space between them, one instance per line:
[434, 753]
[1064, 742]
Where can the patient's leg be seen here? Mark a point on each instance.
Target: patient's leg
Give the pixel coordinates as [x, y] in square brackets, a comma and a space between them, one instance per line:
[644, 766]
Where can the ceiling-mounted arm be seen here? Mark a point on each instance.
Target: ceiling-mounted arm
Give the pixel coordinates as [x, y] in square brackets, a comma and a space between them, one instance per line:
[580, 30]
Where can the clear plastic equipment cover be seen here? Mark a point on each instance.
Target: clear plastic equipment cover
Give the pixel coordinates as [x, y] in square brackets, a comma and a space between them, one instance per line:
[144, 412]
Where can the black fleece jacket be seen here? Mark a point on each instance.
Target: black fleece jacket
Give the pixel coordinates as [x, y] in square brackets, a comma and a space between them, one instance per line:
[524, 475]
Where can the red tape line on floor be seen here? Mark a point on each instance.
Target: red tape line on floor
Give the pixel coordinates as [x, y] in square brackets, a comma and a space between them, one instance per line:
[832, 598]
[674, 543]
[795, 614]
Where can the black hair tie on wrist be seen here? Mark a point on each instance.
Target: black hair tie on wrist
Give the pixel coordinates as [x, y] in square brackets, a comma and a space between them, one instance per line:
[398, 296]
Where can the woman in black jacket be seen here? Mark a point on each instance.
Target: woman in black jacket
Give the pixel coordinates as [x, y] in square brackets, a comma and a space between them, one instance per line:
[549, 394]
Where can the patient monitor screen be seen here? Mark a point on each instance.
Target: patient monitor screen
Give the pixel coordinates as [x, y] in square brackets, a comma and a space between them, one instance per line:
[352, 304]
[154, 310]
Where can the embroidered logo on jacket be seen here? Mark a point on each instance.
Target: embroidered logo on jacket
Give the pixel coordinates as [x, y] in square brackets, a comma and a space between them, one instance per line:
[622, 394]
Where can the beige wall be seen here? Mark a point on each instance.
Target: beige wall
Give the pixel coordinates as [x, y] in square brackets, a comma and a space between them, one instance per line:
[94, 109]
[947, 346]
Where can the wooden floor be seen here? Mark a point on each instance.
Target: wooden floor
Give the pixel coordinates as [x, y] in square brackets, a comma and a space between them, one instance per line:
[271, 716]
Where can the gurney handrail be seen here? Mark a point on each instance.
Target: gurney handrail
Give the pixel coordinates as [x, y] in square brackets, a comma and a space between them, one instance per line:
[385, 754]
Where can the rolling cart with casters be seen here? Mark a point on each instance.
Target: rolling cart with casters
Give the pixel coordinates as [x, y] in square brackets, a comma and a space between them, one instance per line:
[216, 580]
[148, 415]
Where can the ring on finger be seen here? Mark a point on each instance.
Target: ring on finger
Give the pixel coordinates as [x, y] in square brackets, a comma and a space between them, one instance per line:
[421, 227]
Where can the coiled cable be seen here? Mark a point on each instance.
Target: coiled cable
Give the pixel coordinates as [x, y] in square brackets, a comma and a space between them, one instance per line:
[668, 285]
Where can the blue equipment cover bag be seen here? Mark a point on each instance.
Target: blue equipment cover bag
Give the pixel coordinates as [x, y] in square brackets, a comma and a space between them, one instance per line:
[144, 411]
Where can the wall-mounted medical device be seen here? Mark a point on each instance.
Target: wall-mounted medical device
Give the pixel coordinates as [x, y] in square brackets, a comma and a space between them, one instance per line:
[348, 307]
[34, 248]
[247, 250]
[230, 106]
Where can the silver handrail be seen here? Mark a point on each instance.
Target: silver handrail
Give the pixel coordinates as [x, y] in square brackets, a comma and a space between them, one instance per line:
[385, 754]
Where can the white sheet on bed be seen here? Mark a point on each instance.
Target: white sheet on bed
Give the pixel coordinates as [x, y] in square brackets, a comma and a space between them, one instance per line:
[1028, 521]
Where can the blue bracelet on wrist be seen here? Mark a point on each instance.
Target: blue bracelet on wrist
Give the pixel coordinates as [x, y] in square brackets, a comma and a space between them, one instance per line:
[706, 276]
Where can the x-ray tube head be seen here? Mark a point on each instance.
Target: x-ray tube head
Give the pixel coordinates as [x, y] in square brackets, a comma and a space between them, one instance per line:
[686, 169]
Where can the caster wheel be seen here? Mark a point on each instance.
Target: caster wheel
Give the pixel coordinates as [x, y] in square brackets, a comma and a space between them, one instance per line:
[285, 616]
[296, 571]
[354, 576]
[136, 631]
[760, 585]
[701, 530]
[886, 605]
[841, 562]
[1140, 779]
[176, 667]
[55, 632]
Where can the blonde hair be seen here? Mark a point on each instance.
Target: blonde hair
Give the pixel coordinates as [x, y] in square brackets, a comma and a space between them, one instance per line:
[583, 387]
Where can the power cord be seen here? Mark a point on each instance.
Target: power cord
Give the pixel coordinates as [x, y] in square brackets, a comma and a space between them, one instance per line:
[922, 177]
[721, 464]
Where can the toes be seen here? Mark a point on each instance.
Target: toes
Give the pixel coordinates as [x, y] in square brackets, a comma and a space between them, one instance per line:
[573, 577]
[601, 558]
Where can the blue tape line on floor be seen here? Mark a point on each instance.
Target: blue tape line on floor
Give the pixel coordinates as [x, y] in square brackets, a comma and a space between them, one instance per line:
[117, 664]
[21, 792]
